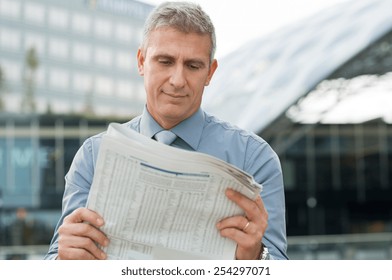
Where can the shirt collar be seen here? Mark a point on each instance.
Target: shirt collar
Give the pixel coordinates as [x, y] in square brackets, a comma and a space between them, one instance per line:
[148, 126]
[189, 130]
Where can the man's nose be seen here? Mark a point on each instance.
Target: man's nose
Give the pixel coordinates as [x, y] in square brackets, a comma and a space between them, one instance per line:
[177, 77]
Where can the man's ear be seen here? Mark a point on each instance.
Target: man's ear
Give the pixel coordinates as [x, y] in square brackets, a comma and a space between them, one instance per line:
[140, 62]
[213, 67]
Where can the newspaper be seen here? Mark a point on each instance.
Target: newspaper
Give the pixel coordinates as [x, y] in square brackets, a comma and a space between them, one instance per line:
[160, 202]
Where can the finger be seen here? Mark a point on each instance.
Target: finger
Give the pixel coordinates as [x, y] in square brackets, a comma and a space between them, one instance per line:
[244, 240]
[74, 254]
[85, 230]
[243, 225]
[264, 213]
[239, 228]
[85, 215]
[260, 204]
[249, 206]
[238, 222]
[76, 247]
[248, 241]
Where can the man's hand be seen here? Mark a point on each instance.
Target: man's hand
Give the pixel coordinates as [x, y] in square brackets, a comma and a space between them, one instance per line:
[247, 231]
[79, 235]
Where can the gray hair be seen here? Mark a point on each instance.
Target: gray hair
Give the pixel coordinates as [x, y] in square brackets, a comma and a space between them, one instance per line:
[186, 17]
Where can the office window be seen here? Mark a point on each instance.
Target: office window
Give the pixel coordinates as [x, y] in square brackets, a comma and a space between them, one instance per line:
[81, 23]
[125, 61]
[82, 82]
[40, 76]
[125, 89]
[35, 13]
[10, 39]
[12, 70]
[58, 18]
[103, 56]
[323, 161]
[58, 48]
[104, 85]
[104, 109]
[22, 159]
[123, 33]
[9, 8]
[61, 106]
[140, 93]
[288, 167]
[103, 28]
[348, 159]
[3, 162]
[81, 52]
[37, 78]
[35, 41]
[58, 78]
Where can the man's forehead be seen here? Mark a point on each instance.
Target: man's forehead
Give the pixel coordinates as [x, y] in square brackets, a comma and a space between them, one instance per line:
[171, 42]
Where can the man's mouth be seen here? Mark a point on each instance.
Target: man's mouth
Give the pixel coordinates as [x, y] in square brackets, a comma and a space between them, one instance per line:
[175, 94]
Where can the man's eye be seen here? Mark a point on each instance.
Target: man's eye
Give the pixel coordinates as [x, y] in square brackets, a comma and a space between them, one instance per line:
[164, 62]
[194, 66]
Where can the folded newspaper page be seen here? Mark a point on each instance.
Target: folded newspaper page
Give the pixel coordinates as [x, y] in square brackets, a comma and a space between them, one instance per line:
[161, 202]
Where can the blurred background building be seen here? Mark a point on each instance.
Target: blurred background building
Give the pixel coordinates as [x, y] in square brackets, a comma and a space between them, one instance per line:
[67, 68]
[71, 56]
[319, 91]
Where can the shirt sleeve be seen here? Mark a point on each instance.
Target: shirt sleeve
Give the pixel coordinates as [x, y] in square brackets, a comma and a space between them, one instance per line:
[263, 163]
[77, 185]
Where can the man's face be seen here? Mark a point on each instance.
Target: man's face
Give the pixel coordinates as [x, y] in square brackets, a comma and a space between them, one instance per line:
[176, 68]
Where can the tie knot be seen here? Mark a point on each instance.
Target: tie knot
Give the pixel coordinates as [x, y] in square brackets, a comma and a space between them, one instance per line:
[165, 136]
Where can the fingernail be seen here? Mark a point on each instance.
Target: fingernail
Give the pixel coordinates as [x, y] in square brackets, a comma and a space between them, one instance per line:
[99, 222]
[229, 192]
[103, 255]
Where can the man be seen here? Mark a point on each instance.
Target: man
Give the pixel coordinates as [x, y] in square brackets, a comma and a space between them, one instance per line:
[176, 59]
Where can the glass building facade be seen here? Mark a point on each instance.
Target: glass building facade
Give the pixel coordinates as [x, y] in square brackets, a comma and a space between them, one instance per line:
[62, 64]
[35, 154]
[71, 56]
[336, 148]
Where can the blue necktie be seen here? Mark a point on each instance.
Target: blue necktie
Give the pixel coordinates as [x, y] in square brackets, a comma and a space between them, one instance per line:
[165, 136]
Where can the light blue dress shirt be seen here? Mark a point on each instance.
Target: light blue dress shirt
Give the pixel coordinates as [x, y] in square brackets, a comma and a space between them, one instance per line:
[206, 134]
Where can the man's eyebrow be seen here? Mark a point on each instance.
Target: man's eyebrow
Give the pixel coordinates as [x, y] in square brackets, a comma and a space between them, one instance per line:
[197, 61]
[158, 56]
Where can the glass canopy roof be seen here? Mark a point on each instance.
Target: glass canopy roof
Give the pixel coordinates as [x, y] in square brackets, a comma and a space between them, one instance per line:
[261, 80]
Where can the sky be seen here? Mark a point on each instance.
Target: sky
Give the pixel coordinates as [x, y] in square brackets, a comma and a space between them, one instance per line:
[239, 21]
